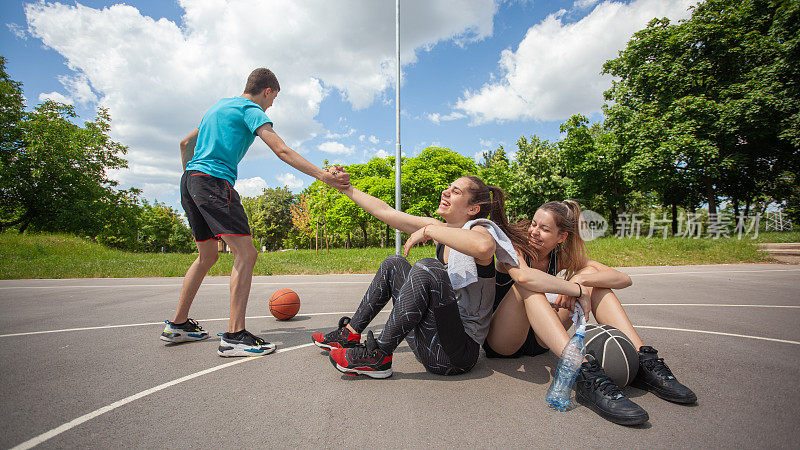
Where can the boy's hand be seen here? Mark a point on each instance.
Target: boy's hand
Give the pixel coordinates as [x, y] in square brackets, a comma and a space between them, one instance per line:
[337, 178]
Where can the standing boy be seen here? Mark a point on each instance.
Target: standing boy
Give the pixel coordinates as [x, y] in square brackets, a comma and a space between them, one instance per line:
[211, 154]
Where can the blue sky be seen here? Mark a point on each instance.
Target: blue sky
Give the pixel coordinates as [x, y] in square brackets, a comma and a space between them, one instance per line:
[474, 77]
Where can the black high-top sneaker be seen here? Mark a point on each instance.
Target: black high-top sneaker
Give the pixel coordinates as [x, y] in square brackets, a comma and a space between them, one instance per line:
[365, 359]
[338, 338]
[594, 389]
[655, 376]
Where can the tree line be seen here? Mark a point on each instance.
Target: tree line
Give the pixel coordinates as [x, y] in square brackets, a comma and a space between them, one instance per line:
[54, 178]
[701, 113]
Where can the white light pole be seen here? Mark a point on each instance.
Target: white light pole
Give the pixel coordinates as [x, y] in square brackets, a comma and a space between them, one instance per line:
[397, 235]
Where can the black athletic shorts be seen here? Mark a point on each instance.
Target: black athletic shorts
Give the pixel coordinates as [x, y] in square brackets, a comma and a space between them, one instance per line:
[213, 207]
[530, 347]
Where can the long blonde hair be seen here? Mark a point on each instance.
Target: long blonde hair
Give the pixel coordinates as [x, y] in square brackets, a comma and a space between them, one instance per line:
[571, 252]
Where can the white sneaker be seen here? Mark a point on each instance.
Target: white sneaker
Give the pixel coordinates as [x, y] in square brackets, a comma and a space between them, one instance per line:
[243, 344]
[185, 332]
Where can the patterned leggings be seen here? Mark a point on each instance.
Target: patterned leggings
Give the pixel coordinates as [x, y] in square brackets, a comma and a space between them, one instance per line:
[425, 313]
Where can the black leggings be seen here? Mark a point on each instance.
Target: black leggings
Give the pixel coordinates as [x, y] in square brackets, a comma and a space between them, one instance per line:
[425, 313]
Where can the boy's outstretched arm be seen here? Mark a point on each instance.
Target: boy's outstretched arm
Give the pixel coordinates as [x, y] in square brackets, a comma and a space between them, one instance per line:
[187, 147]
[340, 180]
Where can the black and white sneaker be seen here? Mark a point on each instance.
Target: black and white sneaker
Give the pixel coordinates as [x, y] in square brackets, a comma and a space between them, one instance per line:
[183, 332]
[243, 343]
[654, 376]
[594, 389]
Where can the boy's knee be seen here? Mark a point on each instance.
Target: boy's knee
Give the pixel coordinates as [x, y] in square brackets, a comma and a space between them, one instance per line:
[248, 256]
[208, 258]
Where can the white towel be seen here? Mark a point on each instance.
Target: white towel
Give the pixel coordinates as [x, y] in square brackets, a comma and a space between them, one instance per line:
[462, 268]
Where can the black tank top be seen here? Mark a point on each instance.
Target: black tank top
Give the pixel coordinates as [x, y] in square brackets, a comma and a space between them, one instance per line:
[487, 271]
[504, 281]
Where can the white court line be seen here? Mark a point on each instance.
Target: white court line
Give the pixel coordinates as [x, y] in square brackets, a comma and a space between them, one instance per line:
[102, 327]
[87, 417]
[284, 283]
[708, 305]
[710, 271]
[114, 286]
[720, 333]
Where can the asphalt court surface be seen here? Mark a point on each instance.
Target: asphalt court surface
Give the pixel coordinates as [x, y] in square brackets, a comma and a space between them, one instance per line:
[83, 367]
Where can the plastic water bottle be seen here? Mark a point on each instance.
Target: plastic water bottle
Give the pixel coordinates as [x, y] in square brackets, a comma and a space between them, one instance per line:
[568, 365]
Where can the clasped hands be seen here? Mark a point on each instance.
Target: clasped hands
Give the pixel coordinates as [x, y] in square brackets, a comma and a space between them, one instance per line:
[336, 177]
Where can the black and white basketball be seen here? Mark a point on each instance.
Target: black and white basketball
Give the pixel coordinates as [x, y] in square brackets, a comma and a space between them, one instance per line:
[613, 351]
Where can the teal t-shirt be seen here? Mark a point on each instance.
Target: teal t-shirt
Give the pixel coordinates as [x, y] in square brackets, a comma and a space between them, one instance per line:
[226, 132]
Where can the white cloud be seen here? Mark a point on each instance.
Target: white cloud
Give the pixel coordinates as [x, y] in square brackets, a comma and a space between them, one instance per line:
[79, 89]
[491, 144]
[381, 154]
[336, 148]
[438, 118]
[17, 31]
[373, 139]
[163, 192]
[348, 133]
[250, 187]
[478, 156]
[56, 97]
[157, 77]
[290, 181]
[555, 71]
[584, 4]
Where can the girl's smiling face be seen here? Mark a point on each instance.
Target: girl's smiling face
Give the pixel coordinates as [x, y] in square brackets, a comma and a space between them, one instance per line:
[543, 233]
[455, 203]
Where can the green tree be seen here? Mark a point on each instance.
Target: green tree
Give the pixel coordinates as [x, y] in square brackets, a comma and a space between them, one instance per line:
[119, 219]
[428, 174]
[302, 232]
[57, 180]
[598, 166]
[496, 168]
[712, 99]
[161, 227]
[270, 215]
[540, 176]
[12, 109]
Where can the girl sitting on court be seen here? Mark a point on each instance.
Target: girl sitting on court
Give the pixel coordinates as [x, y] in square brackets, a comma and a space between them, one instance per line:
[442, 305]
[526, 323]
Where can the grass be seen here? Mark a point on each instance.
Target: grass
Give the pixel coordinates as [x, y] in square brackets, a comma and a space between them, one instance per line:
[63, 256]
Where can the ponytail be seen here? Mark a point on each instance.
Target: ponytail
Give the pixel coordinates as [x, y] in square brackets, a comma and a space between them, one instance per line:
[492, 200]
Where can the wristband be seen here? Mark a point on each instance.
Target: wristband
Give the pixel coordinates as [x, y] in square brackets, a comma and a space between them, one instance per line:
[580, 290]
[425, 229]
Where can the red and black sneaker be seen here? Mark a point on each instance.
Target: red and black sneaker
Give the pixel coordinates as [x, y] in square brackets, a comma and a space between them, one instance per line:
[338, 338]
[365, 359]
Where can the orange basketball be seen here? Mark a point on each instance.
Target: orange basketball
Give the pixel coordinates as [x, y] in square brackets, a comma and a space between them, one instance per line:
[284, 304]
